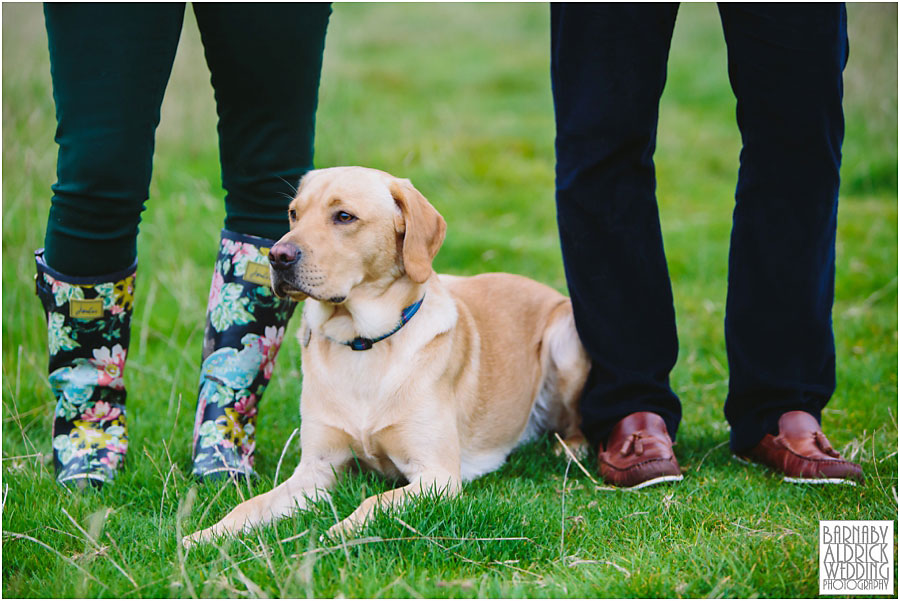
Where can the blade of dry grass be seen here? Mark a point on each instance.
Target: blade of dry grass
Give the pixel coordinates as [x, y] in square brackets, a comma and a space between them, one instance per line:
[281, 457]
[184, 510]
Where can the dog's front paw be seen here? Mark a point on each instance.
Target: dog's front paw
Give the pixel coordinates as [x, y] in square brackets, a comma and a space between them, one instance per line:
[200, 537]
[342, 530]
[191, 540]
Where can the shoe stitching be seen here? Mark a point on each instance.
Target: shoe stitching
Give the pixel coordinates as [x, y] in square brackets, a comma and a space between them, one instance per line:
[805, 458]
[625, 469]
[789, 478]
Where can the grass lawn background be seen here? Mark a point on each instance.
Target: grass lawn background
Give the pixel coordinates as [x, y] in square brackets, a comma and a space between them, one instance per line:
[457, 98]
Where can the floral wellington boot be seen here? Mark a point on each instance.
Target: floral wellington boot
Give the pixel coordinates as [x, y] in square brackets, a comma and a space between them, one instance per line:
[88, 327]
[245, 325]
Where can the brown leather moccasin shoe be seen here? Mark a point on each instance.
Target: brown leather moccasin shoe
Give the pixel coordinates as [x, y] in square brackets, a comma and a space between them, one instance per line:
[803, 454]
[639, 453]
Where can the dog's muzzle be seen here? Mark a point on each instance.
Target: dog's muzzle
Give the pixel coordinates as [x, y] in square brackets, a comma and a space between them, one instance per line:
[283, 257]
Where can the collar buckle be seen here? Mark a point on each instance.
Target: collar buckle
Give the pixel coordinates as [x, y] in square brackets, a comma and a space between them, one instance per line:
[360, 344]
[364, 344]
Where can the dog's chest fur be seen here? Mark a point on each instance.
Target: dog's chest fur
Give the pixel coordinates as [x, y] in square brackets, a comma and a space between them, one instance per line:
[359, 405]
[371, 395]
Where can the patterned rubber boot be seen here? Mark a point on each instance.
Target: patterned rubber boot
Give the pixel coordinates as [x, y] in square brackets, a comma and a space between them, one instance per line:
[88, 327]
[245, 325]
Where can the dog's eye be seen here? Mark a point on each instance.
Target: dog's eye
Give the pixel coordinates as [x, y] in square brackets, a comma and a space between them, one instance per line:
[343, 217]
[292, 214]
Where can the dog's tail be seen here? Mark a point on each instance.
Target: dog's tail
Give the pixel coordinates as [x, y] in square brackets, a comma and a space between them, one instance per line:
[565, 356]
[564, 365]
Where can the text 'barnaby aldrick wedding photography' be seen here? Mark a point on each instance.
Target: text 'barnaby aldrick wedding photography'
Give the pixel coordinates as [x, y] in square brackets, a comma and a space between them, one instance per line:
[856, 557]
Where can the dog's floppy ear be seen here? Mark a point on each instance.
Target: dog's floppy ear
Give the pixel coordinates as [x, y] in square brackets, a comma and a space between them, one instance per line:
[423, 229]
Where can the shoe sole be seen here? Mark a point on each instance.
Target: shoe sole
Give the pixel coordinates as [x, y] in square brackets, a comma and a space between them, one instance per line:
[818, 481]
[83, 481]
[655, 481]
[792, 480]
[221, 474]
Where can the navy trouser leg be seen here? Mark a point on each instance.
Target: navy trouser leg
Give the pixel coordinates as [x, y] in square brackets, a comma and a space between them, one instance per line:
[608, 72]
[785, 62]
[265, 60]
[109, 64]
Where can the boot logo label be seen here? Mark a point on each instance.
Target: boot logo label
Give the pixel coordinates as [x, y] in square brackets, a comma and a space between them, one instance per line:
[257, 273]
[86, 309]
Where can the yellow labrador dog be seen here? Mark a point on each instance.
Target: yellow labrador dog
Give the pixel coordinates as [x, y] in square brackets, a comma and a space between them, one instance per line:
[430, 378]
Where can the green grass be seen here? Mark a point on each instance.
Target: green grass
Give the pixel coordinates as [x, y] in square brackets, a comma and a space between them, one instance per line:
[457, 98]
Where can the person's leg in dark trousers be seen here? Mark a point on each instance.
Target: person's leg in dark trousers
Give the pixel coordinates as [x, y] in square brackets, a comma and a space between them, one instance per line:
[608, 72]
[785, 62]
[265, 61]
[109, 64]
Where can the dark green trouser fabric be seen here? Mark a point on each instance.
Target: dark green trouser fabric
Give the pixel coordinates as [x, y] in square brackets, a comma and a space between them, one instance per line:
[110, 64]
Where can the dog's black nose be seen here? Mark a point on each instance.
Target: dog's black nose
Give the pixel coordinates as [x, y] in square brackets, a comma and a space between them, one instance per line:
[283, 255]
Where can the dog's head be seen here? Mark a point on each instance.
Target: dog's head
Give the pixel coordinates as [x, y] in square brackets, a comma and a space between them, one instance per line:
[351, 227]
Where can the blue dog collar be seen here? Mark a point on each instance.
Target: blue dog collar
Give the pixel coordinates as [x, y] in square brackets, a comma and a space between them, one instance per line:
[363, 344]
